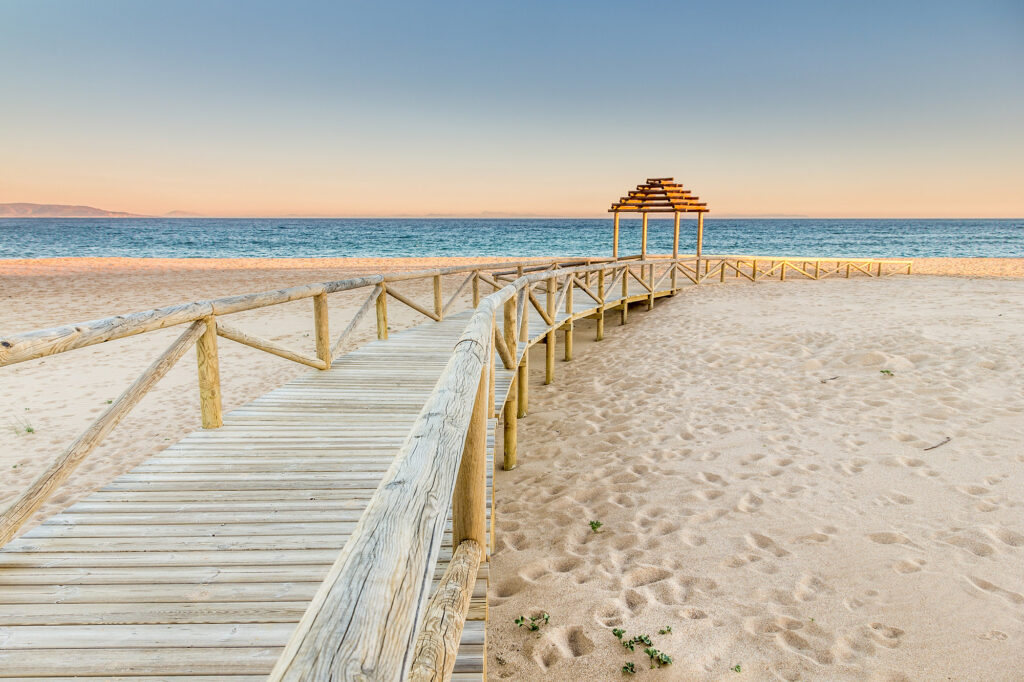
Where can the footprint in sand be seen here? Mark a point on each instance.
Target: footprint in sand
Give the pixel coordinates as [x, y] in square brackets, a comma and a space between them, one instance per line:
[559, 644]
[905, 566]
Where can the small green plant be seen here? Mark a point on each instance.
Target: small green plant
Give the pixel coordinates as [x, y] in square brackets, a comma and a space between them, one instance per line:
[20, 426]
[736, 668]
[534, 623]
[110, 402]
[886, 372]
[658, 658]
[643, 639]
[618, 632]
[629, 668]
[667, 630]
[595, 525]
[629, 644]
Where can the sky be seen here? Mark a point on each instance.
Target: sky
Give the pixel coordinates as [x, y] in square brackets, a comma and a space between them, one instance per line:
[825, 109]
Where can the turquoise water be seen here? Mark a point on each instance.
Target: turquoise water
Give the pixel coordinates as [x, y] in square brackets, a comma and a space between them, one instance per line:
[280, 238]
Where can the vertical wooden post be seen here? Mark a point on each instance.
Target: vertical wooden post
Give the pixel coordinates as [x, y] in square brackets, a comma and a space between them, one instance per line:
[491, 354]
[675, 251]
[570, 322]
[650, 283]
[382, 313]
[615, 236]
[322, 328]
[624, 308]
[476, 288]
[549, 340]
[879, 269]
[438, 302]
[601, 306]
[511, 422]
[209, 376]
[511, 407]
[817, 268]
[782, 271]
[721, 271]
[643, 238]
[524, 365]
[753, 270]
[847, 271]
[469, 500]
[700, 242]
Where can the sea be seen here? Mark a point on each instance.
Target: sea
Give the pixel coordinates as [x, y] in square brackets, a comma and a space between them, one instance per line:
[315, 238]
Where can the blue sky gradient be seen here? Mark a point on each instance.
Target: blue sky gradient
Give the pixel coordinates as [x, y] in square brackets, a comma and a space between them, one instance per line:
[526, 108]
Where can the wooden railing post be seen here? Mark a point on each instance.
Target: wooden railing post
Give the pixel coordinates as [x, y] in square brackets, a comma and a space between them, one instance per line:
[650, 283]
[209, 376]
[624, 308]
[524, 364]
[601, 307]
[782, 271]
[511, 407]
[549, 340]
[491, 363]
[438, 301]
[753, 271]
[476, 288]
[469, 501]
[323, 330]
[570, 322]
[382, 312]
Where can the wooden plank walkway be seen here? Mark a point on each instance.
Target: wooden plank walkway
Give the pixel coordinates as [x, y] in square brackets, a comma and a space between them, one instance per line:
[200, 562]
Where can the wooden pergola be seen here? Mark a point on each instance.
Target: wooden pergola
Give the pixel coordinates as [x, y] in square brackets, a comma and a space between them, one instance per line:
[659, 195]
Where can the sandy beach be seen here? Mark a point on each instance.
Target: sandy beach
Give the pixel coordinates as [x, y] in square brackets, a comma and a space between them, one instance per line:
[806, 481]
[758, 456]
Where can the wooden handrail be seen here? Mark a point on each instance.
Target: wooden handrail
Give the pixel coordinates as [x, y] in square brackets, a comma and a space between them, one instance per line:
[438, 643]
[18, 512]
[267, 346]
[346, 633]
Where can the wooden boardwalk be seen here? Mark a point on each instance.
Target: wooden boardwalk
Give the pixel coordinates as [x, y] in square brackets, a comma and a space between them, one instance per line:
[200, 562]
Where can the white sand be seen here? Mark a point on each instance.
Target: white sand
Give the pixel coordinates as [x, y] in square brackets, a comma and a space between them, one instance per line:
[795, 528]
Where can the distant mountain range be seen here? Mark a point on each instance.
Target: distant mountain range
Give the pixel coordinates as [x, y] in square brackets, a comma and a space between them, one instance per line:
[59, 211]
[23, 210]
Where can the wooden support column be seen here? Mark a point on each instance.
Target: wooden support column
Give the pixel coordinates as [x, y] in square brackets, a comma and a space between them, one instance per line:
[615, 236]
[209, 376]
[700, 243]
[675, 251]
[782, 271]
[753, 270]
[524, 365]
[549, 340]
[492, 361]
[438, 301]
[469, 501]
[569, 323]
[323, 330]
[650, 283]
[476, 288]
[624, 308]
[601, 307]
[382, 312]
[817, 268]
[643, 238]
[511, 407]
